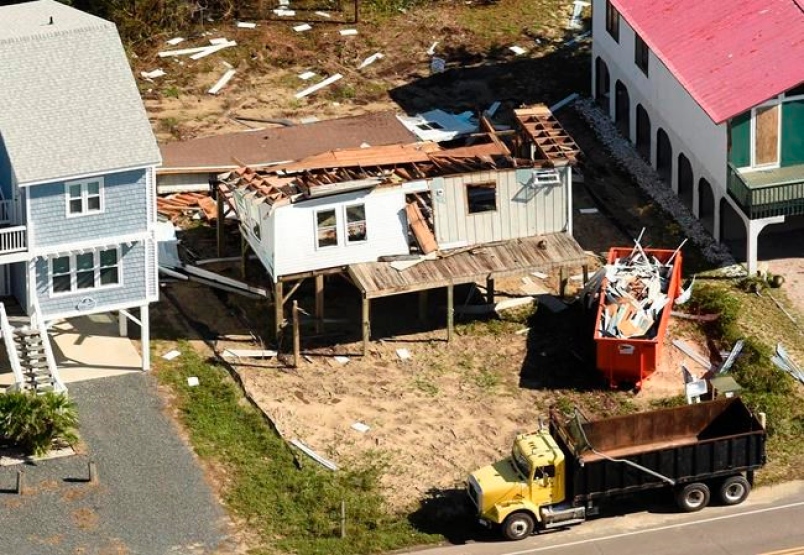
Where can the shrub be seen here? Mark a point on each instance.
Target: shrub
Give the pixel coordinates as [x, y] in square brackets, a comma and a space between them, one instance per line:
[34, 422]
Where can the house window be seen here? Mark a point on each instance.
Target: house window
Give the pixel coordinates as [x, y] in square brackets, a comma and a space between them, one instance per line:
[88, 270]
[481, 197]
[612, 21]
[641, 54]
[327, 227]
[61, 274]
[356, 223]
[84, 197]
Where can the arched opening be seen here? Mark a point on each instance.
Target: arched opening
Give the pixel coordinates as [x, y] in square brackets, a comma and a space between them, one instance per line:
[602, 83]
[664, 156]
[643, 133]
[732, 231]
[686, 181]
[622, 109]
[706, 205]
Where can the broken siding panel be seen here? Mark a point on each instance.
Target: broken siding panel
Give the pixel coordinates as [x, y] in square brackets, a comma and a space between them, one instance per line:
[296, 245]
[131, 292]
[125, 202]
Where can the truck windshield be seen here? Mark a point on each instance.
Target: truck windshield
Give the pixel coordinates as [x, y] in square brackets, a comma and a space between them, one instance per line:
[521, 462]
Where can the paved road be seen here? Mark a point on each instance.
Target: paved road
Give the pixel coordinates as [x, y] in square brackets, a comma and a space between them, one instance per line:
[769, 523]
[152, 498]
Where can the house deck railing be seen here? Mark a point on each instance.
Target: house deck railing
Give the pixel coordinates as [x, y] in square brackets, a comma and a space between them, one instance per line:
[13, 239]
[784, 199]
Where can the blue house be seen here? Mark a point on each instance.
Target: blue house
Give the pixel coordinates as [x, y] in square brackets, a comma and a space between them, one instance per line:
[77, 159]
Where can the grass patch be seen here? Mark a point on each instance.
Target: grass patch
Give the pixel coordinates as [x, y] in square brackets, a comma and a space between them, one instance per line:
[292, 509]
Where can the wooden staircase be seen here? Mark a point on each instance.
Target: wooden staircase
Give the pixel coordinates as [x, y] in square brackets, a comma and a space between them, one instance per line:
[31, 357]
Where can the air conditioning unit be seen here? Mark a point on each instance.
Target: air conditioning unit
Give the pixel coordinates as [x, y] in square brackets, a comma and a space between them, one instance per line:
[545, 178]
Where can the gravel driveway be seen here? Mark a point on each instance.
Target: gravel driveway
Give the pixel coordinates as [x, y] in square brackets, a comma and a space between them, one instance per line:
[151, 499]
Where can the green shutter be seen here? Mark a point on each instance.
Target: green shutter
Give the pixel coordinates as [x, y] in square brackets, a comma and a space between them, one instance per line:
[792, 133]
[740, 153]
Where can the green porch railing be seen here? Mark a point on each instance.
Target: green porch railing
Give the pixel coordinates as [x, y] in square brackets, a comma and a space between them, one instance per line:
[785, 199]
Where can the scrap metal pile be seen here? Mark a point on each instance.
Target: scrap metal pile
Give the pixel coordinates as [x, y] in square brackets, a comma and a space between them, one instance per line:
[636, 291]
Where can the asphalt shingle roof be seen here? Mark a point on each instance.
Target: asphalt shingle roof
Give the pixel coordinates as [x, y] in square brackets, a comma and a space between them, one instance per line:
[69, 104]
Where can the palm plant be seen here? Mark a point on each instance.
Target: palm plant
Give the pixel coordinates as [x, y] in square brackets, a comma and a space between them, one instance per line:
[34, 422]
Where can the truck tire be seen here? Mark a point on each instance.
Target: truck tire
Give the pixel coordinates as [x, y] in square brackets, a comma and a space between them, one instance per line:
[518, 526]
[734, 490]
[693, 497]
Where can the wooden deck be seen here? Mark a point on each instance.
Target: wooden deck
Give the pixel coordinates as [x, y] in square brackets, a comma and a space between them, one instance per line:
[543, 253]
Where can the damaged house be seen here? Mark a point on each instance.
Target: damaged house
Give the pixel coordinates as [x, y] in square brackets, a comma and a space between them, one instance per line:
[414, 217]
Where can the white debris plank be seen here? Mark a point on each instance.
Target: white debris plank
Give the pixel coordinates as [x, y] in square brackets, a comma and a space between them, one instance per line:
[588, 211]
[284, 13]
[370, 60]
[403, 354]
[306, 75]
[212, 50]
[431, 50]
[181, 52]
[246, 25]
[508, 304]
[153, 74]
[361, 427]
[170, 355]
[326, 82]
[348, 32]
[303, 27]
[326, 463]
[518, 50]
[323, 14]
[192, 381]
[174, 41]
[225, 78]
[219, 40]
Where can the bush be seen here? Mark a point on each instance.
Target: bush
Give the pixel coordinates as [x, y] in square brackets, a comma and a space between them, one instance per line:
[34, 422]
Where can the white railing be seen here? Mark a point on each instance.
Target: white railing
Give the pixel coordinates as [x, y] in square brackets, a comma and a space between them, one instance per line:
[11, 348]
[13, 239]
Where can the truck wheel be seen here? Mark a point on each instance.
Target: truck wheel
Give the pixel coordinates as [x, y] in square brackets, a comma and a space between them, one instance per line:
[518, 526]
[734, 490]
[693, 497]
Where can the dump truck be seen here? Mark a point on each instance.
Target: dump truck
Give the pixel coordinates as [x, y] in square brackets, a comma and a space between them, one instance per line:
[559, 475]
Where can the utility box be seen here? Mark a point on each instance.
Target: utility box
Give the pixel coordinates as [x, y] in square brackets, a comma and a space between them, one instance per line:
[628, 349]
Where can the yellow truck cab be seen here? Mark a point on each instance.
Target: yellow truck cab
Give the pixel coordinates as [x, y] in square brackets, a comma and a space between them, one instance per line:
[517, 492]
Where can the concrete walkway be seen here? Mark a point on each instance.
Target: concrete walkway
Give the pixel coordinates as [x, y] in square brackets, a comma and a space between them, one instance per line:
[152, 498]
[86, 348]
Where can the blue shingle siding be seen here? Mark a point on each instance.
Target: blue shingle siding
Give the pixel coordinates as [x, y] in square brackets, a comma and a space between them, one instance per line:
[125, 211]
[132, 291]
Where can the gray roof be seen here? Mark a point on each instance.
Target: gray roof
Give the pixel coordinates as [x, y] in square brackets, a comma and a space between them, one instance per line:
[69, 104]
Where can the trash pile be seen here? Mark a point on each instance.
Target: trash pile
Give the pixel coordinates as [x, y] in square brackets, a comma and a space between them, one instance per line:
[636, 291]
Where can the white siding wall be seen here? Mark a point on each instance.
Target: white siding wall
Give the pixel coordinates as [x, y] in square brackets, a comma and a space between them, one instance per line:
[669, 105]
[522, 210]
[295, 242]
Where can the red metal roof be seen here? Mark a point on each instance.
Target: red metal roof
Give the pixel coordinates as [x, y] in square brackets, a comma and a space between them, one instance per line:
[729, 54]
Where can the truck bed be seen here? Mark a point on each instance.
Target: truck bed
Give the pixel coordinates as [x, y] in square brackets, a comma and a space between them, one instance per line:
[683, 444]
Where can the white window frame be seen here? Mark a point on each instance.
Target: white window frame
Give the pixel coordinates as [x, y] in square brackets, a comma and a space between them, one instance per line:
[346, 223]
[85, 196]
[336, 227]
[96, 268]
[772, 166]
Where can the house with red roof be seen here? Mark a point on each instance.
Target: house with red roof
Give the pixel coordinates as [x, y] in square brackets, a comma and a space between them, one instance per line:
[712, 95]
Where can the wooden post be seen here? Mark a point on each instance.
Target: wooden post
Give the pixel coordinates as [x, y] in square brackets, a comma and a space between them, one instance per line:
[122, 324]
[279, 316]
[585, 274]
[296, 337]
[319, 303]
[366, 323]
[423, 306]
[562, 281]
[343, 518]
[93, 472]
[490, 290]
[219, 223]
[450, 311]
[20, 482]
[145, 337]
[243, 255]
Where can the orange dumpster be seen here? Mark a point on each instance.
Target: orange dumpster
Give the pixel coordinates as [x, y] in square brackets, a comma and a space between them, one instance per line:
[636, 299]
